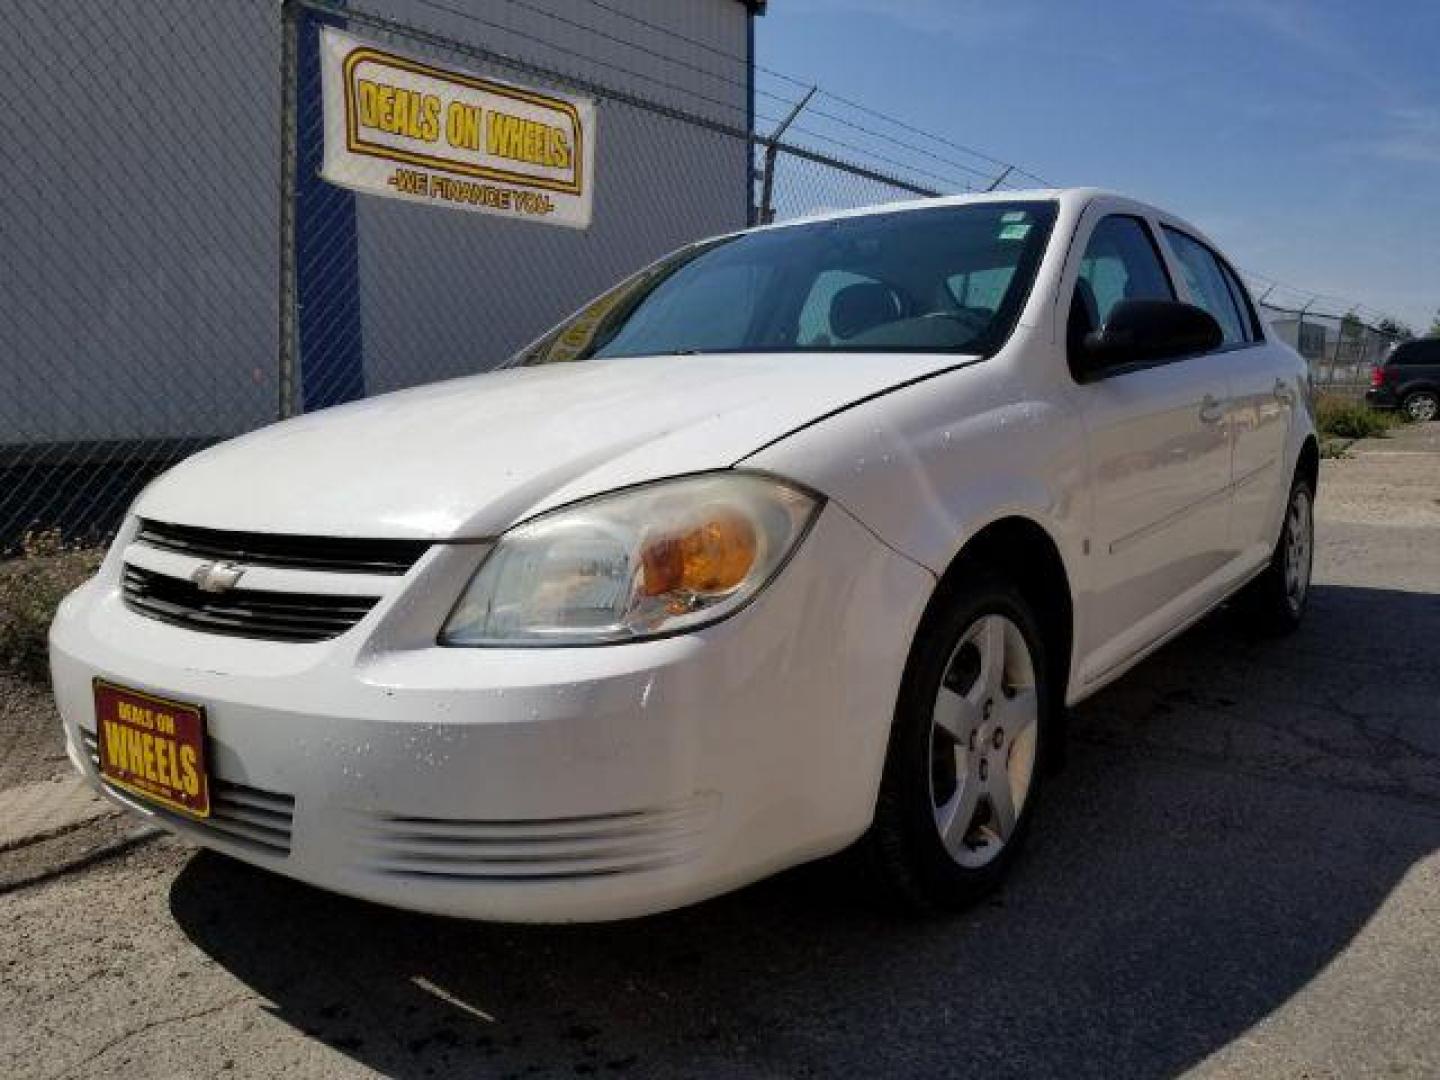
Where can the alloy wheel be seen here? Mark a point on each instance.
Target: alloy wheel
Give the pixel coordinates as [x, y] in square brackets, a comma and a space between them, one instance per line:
[1422, 407]
[1299, 547]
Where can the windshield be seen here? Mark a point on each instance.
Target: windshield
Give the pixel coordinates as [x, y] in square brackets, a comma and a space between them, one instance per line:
[945, 279]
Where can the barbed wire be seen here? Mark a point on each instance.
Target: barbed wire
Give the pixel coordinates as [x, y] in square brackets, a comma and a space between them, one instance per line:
[1309, 299]
[801, 84]
[788, 102]
[1296, 300]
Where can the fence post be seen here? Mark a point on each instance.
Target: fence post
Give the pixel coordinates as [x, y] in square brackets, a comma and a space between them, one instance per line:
[288, 352]
[772, 151]
[1300, 339]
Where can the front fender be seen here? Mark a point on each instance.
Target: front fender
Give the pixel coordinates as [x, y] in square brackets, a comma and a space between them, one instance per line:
[926, 467]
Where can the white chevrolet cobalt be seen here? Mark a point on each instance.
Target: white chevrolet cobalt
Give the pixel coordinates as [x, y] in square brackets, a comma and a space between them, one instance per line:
[800, 537]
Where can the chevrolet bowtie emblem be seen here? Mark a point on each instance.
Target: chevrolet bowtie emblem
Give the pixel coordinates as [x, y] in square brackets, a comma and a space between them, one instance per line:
[216, 577]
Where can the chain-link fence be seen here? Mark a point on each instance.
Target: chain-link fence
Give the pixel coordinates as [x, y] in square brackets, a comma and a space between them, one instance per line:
[138, 318]
[181, 274]
[1341, 350]
[184, 275]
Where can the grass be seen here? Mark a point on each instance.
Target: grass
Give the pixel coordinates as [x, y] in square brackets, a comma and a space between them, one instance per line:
[31, 587]
[1338, 418]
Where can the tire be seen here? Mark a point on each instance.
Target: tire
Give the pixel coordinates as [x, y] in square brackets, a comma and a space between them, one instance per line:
[1276, 600]
[954, 759]
[1422, 405]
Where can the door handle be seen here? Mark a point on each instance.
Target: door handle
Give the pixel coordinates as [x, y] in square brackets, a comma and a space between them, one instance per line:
[1283, 393]
[1211, 411]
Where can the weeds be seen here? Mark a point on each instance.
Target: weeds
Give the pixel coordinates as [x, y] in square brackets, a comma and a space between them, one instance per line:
[1338, 418]
[31, 587]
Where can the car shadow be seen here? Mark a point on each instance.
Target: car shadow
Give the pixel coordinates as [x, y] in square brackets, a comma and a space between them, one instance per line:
[1232, 814]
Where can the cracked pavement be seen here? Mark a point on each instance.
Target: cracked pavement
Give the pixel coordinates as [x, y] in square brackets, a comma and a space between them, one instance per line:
[1237, 875]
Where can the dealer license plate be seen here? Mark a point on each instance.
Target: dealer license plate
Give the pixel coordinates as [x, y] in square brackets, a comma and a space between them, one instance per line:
[153, 747]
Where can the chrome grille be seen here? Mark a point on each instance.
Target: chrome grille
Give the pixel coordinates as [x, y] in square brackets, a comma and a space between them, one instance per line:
[343, 555]
[272, 616]
[249, 817]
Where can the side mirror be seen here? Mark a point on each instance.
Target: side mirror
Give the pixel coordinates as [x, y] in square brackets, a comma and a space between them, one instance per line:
[1139, 331]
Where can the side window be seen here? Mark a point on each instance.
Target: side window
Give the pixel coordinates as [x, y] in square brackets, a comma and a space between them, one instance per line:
[1120, 263]
[1208, 288]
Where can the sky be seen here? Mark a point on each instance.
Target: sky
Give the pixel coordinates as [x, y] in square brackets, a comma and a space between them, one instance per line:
[1302, 135]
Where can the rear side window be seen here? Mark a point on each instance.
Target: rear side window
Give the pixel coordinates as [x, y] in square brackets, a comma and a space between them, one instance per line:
[1206, 277]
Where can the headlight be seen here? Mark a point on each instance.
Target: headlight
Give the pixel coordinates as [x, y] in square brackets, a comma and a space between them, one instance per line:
[641, 563]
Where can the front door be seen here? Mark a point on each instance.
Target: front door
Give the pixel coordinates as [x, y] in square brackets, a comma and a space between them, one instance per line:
[1159, 459]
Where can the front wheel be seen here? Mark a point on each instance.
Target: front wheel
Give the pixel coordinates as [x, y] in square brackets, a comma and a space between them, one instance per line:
[1422, 405]
[1278, 597]
[962, 770]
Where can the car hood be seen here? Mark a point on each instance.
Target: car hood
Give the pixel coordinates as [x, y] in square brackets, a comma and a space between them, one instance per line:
[469, 457]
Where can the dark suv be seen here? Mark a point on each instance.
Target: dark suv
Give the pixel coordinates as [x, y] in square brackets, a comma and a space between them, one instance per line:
[1409, 379]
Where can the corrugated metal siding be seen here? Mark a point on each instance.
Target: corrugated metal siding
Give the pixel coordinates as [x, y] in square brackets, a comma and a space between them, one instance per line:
[139, 220]
[582, 42]
[446, 293]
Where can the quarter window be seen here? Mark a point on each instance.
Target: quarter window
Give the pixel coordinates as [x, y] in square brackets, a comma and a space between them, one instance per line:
[1242, 301]
[1205, 276]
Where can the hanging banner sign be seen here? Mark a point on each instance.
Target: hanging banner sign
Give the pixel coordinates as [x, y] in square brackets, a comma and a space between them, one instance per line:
[397, 127]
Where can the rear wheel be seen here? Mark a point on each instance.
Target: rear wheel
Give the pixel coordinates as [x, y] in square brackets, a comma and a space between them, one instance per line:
[963, 766]
[1422, 405]
[1278, 597]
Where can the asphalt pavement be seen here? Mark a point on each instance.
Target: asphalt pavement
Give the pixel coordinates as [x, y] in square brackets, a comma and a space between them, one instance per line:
[1237, 875]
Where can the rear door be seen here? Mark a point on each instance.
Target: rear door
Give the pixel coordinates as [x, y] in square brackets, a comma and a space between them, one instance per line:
[1263, 392]
[1159, 455]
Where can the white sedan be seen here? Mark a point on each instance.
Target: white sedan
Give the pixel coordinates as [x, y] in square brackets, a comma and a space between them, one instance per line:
[801, 537]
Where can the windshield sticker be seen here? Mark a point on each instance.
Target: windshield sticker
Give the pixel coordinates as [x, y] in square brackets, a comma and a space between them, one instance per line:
[1015, 231]
[1012, 216]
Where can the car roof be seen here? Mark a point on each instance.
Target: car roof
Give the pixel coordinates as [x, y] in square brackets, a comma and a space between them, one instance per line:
[1078, 196]
[1071, 199]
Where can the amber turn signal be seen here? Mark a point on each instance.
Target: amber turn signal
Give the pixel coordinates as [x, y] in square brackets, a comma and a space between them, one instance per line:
[713, 556]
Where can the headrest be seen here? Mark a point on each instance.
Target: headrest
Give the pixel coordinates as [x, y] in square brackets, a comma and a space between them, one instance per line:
[857, 308]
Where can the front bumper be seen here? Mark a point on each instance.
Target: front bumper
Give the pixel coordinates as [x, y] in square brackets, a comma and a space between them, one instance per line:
[529, 784]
